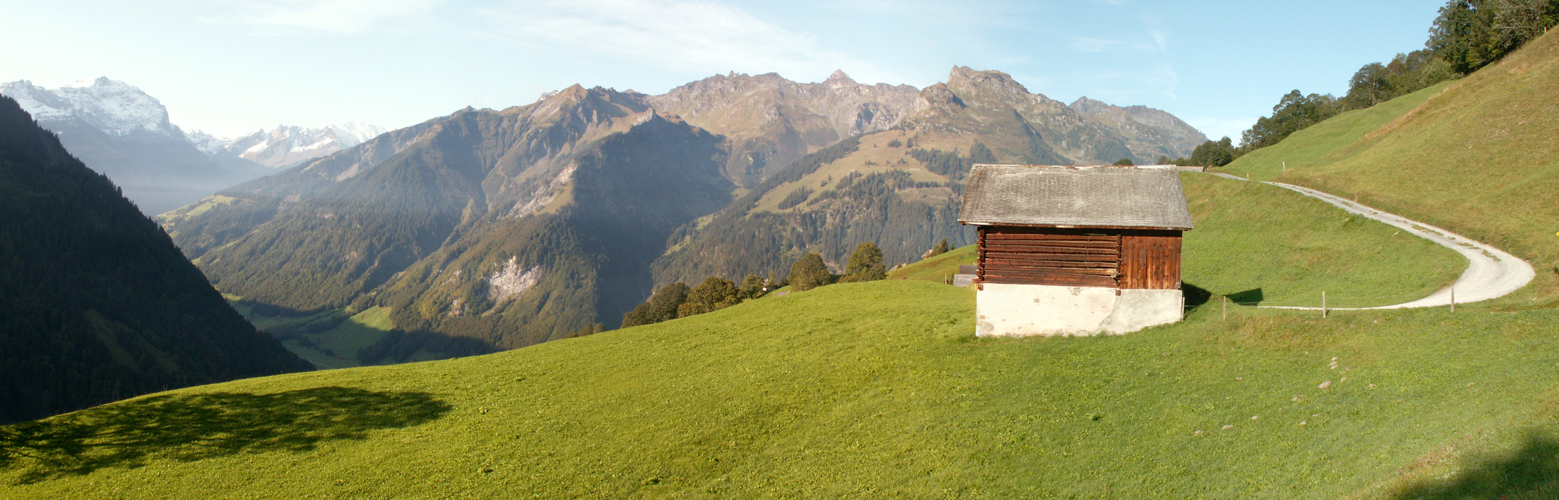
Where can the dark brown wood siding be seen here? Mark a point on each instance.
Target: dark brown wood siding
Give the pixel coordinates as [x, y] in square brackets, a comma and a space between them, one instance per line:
[1113, 258]
[1048, 256]
[1150, 260]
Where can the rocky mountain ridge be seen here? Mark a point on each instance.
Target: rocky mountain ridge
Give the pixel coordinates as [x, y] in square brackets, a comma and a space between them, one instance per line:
[523, 225]
[118, 130]
[287, 145]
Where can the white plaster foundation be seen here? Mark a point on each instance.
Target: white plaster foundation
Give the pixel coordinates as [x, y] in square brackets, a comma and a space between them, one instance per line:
[1023, 310]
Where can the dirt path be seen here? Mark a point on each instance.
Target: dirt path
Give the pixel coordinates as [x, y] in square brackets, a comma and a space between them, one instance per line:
[1492, 273]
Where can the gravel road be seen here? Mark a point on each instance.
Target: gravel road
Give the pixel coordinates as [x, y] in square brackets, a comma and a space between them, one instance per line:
[1493, 273]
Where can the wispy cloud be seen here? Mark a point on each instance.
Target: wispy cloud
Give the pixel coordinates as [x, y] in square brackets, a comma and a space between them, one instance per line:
[673, 34]
[328, 16]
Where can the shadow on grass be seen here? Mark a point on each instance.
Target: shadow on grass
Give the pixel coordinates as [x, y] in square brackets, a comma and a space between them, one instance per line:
[189, 427]
[1530, 472]
[1194, 295]
[1249, 297]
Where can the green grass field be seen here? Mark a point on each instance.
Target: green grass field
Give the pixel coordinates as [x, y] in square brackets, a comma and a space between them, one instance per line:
[1260, 244]
[880, 390]
[937, 268]
[1263, 245]
[861, 390]
[874, 389]
[1477, 156]
[333, 336]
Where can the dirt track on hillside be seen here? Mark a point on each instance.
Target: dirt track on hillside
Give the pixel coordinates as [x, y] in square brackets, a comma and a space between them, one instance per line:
[1492, 273]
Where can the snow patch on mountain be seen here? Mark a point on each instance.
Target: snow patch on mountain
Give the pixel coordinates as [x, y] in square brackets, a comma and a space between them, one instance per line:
[288, 145]
[115, 107]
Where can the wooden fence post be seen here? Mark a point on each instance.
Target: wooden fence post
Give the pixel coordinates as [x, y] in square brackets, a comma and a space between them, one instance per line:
[1453, 299]
[1323, 305]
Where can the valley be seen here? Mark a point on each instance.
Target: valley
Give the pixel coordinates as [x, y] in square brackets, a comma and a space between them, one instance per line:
[532, 301]
[596, 197]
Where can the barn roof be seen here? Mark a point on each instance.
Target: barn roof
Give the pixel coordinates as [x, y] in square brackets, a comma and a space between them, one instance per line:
[1060, 196]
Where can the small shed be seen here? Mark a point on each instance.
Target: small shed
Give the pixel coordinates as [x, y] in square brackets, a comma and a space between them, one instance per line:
[1080, 250]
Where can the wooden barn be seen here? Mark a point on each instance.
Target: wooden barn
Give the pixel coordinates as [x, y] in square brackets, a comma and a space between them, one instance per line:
[1076, 250]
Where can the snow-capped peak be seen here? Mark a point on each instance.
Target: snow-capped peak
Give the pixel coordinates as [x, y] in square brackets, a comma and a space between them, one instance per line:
[114, 107]
[288, 145]
[353, 133]
[205, 142]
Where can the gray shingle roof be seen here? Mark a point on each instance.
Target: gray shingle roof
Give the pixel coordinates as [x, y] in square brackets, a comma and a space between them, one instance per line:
[1058, 196]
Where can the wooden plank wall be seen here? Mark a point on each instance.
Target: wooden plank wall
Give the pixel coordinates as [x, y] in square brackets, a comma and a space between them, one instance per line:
[1130, 259]
[1150, 260]
[1047, 256]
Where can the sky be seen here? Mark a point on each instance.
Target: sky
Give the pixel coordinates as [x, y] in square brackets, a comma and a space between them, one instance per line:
[231, 67]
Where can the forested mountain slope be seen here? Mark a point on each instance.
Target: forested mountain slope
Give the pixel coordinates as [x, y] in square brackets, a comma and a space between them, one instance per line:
[96, 304]
[528, 224]
[1478, 156]
[513, 226]
[118, 130]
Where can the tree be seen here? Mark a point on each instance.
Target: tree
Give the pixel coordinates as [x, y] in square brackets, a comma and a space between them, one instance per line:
[865, 264]
[714, 294]
[1213, 153]
[660, 307]
[809, 272]
[1406, 73]
[1124, 162]
[752, 287]
[1293, 112]
[1369, 86]
[1463, 35]
[940, 248]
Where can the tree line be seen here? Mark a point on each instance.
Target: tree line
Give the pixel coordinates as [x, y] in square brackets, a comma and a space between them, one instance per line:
[1465, 37]
[677, 300]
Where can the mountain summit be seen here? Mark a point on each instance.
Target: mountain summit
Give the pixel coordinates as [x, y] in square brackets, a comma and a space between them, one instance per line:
[531, 223]
[120, 131]
[288, 145]
[770, 121]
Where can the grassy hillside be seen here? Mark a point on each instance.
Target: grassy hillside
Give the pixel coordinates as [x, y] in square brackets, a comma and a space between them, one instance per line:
[881, 392]
[1259, 244]
[1478, 156]
[938, 268]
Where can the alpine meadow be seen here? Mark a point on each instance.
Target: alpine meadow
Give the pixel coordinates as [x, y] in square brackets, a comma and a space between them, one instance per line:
[754, 286]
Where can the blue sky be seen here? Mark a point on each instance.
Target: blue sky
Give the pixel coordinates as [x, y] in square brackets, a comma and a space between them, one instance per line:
[235, 66]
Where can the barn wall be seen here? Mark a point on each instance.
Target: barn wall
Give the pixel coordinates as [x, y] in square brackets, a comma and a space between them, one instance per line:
[1150, 260]
[1023, 310]
[1048, 256]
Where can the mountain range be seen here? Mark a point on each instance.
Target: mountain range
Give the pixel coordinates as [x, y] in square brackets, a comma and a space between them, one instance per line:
[96, 304]
[119, 130]
[286, 145]
[522, 225]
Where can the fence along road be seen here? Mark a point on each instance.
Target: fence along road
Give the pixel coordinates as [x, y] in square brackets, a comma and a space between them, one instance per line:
[1493, 273]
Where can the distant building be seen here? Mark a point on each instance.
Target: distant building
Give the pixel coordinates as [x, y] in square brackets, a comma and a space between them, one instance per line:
[1076, 250]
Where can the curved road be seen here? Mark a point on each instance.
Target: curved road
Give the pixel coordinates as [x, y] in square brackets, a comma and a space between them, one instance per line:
[1492, 273]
